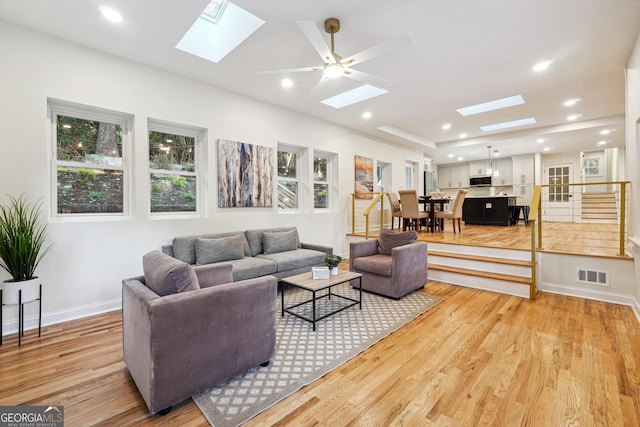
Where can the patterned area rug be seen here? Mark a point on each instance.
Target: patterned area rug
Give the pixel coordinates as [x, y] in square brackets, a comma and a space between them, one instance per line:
[302, 355]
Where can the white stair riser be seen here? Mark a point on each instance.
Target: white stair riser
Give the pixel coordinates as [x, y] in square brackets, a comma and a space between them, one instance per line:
[482, 251]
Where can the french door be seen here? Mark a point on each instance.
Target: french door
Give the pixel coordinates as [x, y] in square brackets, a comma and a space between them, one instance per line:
[557, 201]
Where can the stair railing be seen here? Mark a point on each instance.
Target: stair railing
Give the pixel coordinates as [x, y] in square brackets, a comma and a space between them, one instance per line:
[537, 210]
[377, 198]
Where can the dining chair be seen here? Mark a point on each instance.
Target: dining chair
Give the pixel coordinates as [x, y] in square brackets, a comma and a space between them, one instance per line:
[396, 209]
[456, 210]
[412, 216]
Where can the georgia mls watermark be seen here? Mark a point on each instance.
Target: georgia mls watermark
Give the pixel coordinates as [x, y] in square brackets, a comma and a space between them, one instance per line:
[31, 416]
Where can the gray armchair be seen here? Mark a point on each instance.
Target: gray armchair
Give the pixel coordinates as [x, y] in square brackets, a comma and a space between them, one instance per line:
[182, 343]
[392, 265]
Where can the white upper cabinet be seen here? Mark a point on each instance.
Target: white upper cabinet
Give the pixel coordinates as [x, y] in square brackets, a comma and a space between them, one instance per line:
[453, 176]
[523, 170]
[503, 174]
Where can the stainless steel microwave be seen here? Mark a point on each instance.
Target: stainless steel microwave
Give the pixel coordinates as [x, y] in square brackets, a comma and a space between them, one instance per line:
[480, 181]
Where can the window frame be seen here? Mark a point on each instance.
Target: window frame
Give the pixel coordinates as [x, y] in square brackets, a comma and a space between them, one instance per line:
[328, 182]
[199, 136]
[298, 151]
[57, 108]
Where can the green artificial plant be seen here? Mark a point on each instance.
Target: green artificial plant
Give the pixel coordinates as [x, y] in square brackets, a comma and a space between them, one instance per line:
[333, 261]
[22, 239]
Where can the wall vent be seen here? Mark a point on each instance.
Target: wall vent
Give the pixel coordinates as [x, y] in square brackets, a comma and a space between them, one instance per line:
[593, 277]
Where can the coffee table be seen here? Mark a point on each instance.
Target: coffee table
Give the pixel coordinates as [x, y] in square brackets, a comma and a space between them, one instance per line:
[315, 286]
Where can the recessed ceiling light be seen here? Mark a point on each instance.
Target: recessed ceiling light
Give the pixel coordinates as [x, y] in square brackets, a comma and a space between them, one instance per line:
[353, 96]
[463, 135]
[573, 117]
[460, 159]
[286, 83]
[504, 125]
[541, 66]
[491, 105]
[366, 115]
[571, 102]
[450, 156]
[546, 149]
[540, 140]
[110, 14]
[602, 143]
[605, 132]
[446, 126]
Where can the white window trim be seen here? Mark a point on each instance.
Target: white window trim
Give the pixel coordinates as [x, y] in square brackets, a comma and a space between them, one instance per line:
[299, 152]
[57, 107]
[332, 167]
[199, 134]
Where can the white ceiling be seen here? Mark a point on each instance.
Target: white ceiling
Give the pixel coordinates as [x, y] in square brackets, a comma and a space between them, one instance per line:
[464, 53]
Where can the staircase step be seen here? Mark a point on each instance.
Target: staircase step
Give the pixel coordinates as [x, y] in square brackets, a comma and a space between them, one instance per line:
[488, 275]
[481, 258]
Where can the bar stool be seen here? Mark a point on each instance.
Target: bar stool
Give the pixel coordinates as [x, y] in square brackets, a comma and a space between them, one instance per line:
[515, 214]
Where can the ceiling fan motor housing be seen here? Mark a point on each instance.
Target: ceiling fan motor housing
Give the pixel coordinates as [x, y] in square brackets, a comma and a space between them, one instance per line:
[332, 25]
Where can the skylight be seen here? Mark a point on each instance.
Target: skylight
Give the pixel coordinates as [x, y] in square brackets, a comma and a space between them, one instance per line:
[504, 125]
[353, 96]
[220, 28]
[491, 105]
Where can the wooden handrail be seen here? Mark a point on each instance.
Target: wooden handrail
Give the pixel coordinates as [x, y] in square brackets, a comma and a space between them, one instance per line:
[367, 212]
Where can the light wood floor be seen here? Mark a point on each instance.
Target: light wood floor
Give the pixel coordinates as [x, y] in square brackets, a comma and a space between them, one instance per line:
[478, 358]
[563, 237]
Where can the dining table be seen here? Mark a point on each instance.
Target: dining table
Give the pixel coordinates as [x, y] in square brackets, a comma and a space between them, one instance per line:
[429, 203]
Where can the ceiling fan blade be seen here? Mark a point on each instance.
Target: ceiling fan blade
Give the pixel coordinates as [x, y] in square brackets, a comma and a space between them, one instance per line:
[290, 70]
[311, 31]
[365, 77]
[319, 86]
[382, 48]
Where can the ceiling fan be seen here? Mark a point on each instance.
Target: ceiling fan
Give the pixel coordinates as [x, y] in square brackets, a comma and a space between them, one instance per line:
[334, 64]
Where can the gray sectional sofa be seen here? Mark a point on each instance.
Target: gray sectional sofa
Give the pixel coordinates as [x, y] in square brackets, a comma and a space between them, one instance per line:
[252, 253]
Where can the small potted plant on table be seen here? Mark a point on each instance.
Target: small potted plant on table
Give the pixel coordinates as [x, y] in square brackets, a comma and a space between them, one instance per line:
[332, 262]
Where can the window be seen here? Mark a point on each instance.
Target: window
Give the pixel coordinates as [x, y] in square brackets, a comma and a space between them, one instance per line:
[173, 173]
[88, 161]
[321, 169]
[288, 185]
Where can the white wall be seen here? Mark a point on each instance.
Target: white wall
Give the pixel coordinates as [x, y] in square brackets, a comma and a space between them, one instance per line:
[632, 107]
[83, 273]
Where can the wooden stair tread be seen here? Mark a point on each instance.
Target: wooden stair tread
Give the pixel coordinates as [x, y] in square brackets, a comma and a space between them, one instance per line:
[490, 275]
[481, 258]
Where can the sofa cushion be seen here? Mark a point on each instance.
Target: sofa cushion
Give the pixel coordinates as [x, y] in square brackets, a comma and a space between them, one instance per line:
[184, 247]
[254, 238]
[388, 240]
[376, 264]
[290, 260]
[279, 242]
[250, 267]
[166, 275]
[217, 250]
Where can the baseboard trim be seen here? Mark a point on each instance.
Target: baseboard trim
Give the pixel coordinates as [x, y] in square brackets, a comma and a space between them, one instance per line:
[594, 294]
[31, 321]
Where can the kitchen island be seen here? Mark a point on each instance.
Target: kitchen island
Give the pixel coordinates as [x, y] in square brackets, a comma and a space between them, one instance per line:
[488, 210]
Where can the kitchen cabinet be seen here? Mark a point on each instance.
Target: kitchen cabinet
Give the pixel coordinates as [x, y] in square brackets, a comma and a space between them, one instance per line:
[495, 210]
[523, 194]
[478, 168]
[523, 168]
[504, 168]
[453, 176]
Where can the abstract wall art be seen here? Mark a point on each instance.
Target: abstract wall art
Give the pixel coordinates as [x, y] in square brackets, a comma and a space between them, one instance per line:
[364, 177]
[245, 175]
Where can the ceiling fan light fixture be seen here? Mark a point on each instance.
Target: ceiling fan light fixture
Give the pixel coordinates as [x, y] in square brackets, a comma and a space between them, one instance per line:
[332, 71]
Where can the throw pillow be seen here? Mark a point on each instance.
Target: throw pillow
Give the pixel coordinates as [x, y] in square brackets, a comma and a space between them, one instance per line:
[273, 242]
[388, 240]
[166, 275]
[217, 250]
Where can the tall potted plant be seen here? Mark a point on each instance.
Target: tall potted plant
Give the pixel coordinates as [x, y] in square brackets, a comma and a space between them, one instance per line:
[22, 238]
